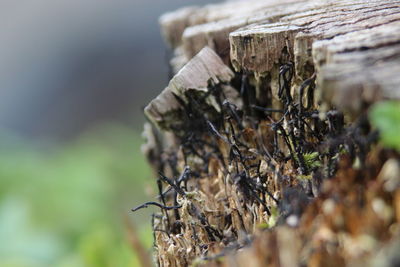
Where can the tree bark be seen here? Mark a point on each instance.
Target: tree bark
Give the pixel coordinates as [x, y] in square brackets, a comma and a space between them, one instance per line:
[262, 139]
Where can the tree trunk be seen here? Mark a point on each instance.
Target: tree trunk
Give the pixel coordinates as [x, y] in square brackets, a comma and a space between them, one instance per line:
[262, 139]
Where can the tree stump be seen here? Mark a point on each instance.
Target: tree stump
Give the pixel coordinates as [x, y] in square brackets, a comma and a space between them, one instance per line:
[261, 140]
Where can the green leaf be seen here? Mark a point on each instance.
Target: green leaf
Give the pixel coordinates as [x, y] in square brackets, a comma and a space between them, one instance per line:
[385, 116]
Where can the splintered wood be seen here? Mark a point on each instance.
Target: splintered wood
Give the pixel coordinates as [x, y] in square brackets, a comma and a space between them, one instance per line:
[261, 142]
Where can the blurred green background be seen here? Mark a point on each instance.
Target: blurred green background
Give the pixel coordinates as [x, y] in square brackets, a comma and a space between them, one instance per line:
[65, 206]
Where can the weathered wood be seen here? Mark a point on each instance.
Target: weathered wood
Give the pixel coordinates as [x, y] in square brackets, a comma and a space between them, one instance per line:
[255, 154]
[360, 67]
[193, 28]
[215, 34]
[174, 23]
[323, 23]
[203, 71]
[259, 49]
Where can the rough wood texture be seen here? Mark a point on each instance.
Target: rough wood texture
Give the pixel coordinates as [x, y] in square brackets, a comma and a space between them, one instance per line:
[173, 24]
[211, 25]
[259, 48]
[271, 26]
[267, 169]
[205, 70]
[360, 67]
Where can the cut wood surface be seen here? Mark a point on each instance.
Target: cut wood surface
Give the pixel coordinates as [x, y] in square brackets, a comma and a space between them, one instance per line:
[264, 128]
[203, 71]
[270, 26]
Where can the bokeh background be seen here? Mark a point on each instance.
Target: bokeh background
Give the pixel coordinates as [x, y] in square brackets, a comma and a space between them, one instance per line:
[74, 77]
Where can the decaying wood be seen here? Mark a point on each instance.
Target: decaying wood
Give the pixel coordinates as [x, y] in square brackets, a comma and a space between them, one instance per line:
[278, 24]
[174, 24]
[259, 48]
[362, 63]
[204, 70]
[262, 143]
